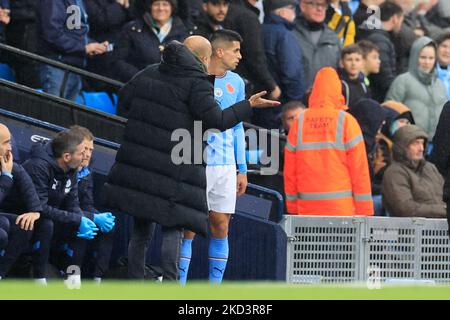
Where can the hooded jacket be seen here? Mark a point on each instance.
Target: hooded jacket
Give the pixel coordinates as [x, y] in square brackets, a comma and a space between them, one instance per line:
[57, 190]
[422, 92]
[370, 116]
[440, 155]
[145, 181]
[326, 170]
[383, 155]
[412, 188]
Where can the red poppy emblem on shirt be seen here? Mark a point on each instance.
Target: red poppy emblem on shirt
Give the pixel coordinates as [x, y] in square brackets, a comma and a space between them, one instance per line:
[230, 88]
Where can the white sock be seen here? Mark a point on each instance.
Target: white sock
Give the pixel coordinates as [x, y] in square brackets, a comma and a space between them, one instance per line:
[0, 277]
[41, 281]
[97, 280]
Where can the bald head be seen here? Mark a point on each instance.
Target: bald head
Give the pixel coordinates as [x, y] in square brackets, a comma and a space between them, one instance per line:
[5, 140]
[200, 47]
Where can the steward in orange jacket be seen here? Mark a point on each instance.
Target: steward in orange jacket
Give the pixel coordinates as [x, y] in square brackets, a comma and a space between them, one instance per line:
[326, 170]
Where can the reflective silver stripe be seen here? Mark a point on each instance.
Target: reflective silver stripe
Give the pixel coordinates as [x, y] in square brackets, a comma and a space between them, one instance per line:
[340, 129]
[362, 197]
[337, 144]
[354, 142]
[299, 132]
[290, 147]
[291, 197]
[324, 195]
[320, 145]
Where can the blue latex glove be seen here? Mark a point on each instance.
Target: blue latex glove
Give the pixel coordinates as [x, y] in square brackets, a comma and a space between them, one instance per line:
[105, 221]
[87, 229]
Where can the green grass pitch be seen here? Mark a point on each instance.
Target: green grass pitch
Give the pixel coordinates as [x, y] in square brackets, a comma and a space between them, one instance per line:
[203, 291]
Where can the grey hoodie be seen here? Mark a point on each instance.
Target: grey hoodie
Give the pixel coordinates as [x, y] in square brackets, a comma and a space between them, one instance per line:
[422, 92]
[412, 188]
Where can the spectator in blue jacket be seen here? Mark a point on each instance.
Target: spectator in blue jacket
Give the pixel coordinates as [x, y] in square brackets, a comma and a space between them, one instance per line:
[443, 54]
[142, 41]
[53, 169]
[284, 55]
[18, 197]
[63, 36]
[101, 248]
[4, 18]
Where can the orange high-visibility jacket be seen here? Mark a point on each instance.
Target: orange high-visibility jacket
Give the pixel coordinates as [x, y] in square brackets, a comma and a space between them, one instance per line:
[326, 170]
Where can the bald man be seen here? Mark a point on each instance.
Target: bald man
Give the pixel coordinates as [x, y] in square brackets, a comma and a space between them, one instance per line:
[19, 199]
[152, 179]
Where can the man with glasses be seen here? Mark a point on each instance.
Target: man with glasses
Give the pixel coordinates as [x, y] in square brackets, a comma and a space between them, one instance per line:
[320, 45]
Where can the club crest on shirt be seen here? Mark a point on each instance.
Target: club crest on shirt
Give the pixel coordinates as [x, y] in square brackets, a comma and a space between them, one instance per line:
[230, 88]
[68, 186]
[218, 92]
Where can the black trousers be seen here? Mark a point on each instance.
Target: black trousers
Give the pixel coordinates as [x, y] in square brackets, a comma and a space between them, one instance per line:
[99, 254]
[4, 230]
[140, 240]
[17, 241]
[67, 250]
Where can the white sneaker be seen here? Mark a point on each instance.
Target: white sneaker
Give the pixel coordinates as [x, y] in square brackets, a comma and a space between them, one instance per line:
[97, 280]
[41, 282]
[73, 282]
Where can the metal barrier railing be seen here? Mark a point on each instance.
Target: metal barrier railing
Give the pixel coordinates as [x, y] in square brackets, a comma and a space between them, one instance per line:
[345, 249]
[67, 68]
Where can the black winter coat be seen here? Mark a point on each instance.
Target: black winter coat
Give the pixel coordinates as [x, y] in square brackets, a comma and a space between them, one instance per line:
[18, 195]
[440, 155]
[139, 47]
[242, 17]
[57, 190]
[353, 90]
[202, 25]
[144, 181]
[107, 19]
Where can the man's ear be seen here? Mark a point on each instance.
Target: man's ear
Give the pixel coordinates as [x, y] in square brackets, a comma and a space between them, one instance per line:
[66, 156]
[219, 52]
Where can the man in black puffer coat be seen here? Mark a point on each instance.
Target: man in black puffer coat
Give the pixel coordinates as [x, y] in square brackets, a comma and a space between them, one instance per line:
[144, 181]
[440, 155]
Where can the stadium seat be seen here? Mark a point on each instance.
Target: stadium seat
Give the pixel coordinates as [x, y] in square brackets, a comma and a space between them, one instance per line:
[7, 73]
[99, 101]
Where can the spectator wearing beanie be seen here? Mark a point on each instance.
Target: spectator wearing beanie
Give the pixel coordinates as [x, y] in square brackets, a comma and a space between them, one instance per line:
[284, 55]
[142, 40]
